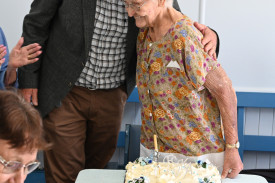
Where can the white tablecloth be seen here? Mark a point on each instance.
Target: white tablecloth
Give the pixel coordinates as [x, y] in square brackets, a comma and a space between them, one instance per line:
[100, 176]
[117, 176]
[242, 178]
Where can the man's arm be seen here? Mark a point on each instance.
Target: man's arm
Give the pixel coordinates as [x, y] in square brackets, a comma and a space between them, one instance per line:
[36, 30]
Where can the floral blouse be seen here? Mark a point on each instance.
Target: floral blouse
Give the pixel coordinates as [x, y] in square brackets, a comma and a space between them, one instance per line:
[175, 105]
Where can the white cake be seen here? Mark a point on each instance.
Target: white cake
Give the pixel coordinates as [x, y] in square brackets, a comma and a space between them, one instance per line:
[144, 170]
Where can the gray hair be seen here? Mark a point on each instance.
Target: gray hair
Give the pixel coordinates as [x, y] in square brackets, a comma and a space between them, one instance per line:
[169, 3]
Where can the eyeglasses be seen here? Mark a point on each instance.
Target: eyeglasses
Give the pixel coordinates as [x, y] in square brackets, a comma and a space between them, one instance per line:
[14, 166]
[135, 6]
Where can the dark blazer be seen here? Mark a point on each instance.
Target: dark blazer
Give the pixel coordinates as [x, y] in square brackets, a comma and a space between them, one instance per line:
[64, 29]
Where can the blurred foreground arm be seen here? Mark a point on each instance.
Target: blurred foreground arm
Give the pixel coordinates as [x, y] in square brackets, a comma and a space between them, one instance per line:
[19, 57]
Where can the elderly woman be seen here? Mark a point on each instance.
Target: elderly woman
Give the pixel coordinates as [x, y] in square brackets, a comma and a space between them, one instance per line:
[183, 91]
[21, 136]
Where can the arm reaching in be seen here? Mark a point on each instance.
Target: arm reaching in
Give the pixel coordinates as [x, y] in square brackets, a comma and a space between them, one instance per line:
[19, 57]
[210, 40]
[219, 85]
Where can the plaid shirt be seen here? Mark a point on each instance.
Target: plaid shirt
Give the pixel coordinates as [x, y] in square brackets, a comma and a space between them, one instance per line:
[105, 67]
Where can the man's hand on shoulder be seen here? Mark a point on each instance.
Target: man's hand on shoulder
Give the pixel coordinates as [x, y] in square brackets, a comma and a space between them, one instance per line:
[209, 40]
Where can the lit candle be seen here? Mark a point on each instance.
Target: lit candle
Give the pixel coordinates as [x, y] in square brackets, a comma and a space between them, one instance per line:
[156, 143]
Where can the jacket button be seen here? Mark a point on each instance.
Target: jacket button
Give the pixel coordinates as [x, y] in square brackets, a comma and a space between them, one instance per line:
[70, 84]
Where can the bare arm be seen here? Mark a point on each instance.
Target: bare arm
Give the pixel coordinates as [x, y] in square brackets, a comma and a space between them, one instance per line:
[220, 86]
[19, 57]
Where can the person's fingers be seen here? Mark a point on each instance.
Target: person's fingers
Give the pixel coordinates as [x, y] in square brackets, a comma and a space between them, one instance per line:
[34, 97]
[2, 61]
[206, 40]
[26, 93]
[34, 55]
[32, 47]
[212, 52]
[19, 43]
[32, 60]
[199, 26]
[225, 172]
[3, 52]
[208, 47]
[215, 55]
[2, 48]
[233, 173]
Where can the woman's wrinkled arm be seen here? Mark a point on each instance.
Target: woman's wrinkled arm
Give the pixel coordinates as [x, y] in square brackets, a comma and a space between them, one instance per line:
[220, 86]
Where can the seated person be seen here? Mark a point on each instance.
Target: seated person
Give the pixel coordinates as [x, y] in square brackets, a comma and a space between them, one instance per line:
[21, 136]
[18, 57]
[183, 91]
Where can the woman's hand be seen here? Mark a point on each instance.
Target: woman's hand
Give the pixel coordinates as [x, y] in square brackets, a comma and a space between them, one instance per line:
[209, 40]
[20, 56]
[3, 52]
[232, 163]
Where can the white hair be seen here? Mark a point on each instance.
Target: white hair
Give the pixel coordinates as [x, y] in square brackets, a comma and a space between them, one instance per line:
[169, 3]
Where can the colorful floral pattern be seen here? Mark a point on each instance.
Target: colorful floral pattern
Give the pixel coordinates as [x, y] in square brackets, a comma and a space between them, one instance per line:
[175, 105]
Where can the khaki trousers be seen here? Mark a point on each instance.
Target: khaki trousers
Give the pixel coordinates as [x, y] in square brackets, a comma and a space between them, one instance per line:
[84, 132]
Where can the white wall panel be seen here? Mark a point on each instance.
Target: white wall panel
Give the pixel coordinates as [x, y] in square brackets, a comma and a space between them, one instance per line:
[272, 160]
[266, 122]
[263, 160]
[190, 8]
[11, 18]
[137, 114]
[247, 33]
[252, 116]
[250, 160]
[129, 115]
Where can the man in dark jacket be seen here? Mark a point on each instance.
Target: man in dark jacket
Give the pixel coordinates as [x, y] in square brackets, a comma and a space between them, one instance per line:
[82, 80]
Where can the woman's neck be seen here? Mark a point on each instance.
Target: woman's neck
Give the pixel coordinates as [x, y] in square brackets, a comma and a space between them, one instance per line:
[163, 22]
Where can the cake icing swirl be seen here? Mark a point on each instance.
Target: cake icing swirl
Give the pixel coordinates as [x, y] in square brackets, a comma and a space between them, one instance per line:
[144, 170]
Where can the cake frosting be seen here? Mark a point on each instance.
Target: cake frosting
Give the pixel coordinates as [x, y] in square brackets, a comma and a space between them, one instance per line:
[144, 170]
